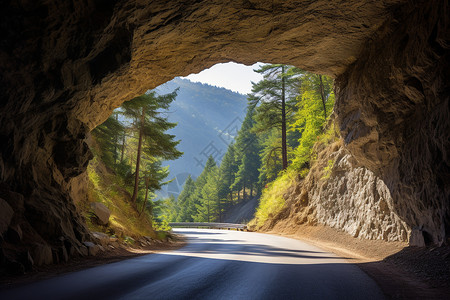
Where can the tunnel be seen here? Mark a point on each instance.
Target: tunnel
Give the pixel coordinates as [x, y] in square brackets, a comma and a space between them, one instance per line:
[65, 65]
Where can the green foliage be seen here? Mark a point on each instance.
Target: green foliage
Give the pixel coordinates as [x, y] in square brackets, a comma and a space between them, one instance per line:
[197, 197]
[255, 159]
[170, 209]
[315, 101]
[107, 136]
[108, 188]
[201, 110]
[247, 148]
[185, 202]
[150, 127]
[270, 154]
[133, 142]
[327, 170]
[309, 119]
[209, 205]
[272, 201]
[274, 100]
[162, 226]
[228, 169]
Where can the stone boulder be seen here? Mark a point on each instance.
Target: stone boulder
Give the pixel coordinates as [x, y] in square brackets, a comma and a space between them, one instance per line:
[101, 211]
[103, 238]
[92, 248]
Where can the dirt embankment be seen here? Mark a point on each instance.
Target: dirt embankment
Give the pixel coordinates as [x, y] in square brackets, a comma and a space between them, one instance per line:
[402, 272]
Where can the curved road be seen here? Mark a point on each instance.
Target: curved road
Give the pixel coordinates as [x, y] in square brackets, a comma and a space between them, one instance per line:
[216, 264]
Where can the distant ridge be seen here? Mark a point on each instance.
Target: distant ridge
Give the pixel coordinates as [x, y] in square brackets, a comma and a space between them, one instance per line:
[208, 118]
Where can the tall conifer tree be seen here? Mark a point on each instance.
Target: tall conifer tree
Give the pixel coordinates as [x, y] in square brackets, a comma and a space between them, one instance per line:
[150, 125]
[274, 98]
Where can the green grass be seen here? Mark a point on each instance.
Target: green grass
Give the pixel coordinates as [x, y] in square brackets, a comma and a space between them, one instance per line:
[110, 190]
[272, 200]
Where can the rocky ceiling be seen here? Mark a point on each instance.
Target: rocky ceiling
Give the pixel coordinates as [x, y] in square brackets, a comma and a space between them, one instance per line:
[65, 65]
[101, 53]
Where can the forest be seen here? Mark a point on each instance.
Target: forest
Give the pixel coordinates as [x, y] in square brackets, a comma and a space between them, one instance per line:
[286, 114]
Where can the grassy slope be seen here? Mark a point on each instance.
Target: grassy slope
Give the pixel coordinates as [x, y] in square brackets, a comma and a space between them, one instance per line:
[273, 199]
[109, 189]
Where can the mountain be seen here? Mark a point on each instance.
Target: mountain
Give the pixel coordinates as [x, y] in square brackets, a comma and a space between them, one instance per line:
[208, 119]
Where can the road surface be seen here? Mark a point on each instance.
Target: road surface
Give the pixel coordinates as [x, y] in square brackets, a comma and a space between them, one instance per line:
[216, 264]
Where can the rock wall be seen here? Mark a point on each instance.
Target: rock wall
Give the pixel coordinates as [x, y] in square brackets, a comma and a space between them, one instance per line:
[65, 65]
[391, 177]
[343, 194]
[359, 202]
[394, 113]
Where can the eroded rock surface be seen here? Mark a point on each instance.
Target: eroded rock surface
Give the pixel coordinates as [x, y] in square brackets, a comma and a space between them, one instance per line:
[343, 194]
[64, 66]
[392, 179]
[394, 112]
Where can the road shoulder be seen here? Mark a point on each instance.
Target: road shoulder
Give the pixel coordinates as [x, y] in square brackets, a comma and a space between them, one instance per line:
[402, 272]
[80, 263]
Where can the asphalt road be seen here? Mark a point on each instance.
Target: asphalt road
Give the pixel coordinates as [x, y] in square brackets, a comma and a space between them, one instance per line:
[216, 264]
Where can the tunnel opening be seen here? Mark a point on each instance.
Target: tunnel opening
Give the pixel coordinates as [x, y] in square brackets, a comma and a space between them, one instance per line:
[390, 62]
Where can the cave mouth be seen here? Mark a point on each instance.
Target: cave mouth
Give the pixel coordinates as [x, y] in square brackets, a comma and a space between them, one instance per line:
[65, 68]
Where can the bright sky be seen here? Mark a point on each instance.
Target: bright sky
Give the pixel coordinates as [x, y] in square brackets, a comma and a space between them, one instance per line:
[232, 76]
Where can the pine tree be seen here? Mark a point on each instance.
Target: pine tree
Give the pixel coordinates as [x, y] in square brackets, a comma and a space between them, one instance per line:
[247, 144]
[197, 197]
[153, 175]
[208, 210]
[185, 203]
[271, 160]
[274, 99]
[145, 110]
[169, 209]
[228, 169]
[107, 136]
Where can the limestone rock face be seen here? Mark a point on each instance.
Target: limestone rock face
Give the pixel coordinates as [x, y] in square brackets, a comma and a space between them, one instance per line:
[65, 66]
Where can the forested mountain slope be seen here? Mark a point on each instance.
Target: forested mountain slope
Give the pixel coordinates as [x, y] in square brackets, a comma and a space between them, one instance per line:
[208, 118]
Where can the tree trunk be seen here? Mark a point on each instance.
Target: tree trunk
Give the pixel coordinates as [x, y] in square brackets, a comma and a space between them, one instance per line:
[243, 196]
[322, 94]
[146, 196]
[251, 190]
[116, 142]
[283, 120]
[138, 158]
[123, 148]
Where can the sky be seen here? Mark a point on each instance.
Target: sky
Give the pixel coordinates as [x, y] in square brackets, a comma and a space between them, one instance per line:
[232, 76]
